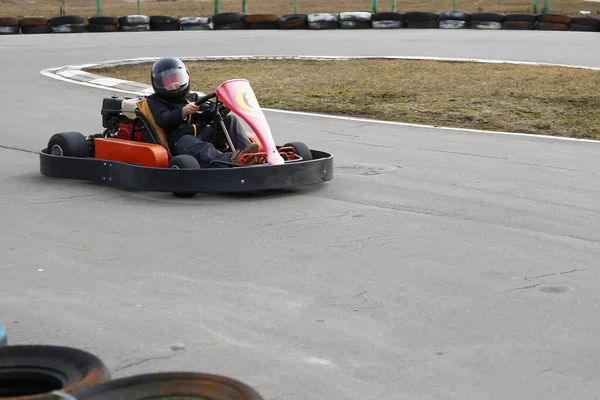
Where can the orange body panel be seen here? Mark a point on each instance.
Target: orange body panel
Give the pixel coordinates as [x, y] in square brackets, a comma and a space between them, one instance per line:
[146, 154]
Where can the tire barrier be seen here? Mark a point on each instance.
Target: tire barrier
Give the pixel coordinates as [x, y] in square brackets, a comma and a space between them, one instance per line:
[46, 372]
[346, 20]
[29, 371]
[170, 385]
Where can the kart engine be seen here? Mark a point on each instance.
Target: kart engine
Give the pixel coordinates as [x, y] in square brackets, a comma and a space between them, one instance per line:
[117, 110]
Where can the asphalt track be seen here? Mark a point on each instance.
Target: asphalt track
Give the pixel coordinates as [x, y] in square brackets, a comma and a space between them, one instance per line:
[438, 264]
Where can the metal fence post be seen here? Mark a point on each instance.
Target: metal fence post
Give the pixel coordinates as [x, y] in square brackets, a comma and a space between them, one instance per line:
[98, 7]
[216, 6]
[244, 6]
[61, 7]
[393, 5]
[374, 7]
[546, 6]
[536, 7]
[295, 6]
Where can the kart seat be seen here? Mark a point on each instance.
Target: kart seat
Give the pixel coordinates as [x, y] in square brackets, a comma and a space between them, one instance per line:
[144, 109]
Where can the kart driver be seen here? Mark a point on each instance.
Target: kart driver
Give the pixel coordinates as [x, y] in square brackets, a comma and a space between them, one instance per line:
[188, 132]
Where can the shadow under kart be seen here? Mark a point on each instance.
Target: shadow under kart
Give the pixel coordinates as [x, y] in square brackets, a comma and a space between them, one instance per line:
[132, 152]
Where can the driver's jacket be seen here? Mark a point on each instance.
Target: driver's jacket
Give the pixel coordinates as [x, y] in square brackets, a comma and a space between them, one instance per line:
[168, 116]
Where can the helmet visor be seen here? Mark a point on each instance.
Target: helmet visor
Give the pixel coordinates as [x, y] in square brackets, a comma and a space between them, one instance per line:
[171, 79]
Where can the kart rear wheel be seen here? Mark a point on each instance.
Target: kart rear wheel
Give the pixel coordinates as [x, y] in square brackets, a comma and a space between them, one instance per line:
[301, 149]
[69, 144]
[184, 161]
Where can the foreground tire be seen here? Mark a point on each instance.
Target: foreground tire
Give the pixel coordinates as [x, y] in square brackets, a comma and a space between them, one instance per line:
[184, 161]
[301, 149]
[34, 371]
[171, 385]
[69, 144]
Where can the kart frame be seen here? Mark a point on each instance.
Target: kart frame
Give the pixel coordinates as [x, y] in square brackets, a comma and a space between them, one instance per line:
[148, 165]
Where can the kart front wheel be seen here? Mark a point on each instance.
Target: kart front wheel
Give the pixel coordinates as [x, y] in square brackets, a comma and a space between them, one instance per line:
[184, 161]
[301, 149]
[69, 144]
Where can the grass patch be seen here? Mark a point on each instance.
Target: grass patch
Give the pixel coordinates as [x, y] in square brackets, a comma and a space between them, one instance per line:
[514, 98]
[180, 8]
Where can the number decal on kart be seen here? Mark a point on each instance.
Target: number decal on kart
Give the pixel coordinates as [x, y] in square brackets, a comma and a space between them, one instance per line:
[246, 100]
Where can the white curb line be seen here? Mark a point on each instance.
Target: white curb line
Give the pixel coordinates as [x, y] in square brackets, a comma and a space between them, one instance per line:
[74, 74]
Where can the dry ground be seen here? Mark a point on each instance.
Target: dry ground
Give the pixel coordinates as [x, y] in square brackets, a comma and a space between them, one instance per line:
[532, 99]
[87, 8]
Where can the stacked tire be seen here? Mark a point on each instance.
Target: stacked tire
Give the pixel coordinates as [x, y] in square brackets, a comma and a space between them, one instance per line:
[585, 24]
[134, 23]
[163, 23]
[388, 20]
[553, 22]
[421, 20]
[34, 25]
[67, 24]
[9, 25]
[293, 21]
[261, 21]
[519, 22]
[195, 23]
[323, 21]
[454, 20]
[487, 20]
[229, 21]
[356, 20]
[102, 24]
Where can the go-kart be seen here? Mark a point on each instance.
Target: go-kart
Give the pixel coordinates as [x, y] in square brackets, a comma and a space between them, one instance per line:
[132, 151]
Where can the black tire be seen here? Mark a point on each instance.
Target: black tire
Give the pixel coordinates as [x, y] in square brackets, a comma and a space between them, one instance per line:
[134, 27]
[453, 24]
[69, 28]
[9, 21]
[356, 24]
[420, 16]
[167, 385]
[422, 24]
[488, 16]
[9, 30]
[134, 19]
[103, 20]
[30, 371]
[452, 15]
[163, 19]
[301, 149]
[262, 25]
[582, 28]
[518, 25]
[228, 18]
[184, 161]
[520, 17]
[229, 26]
[69, 144]
[33, 29]
[102, 28]
[324, 25]
[66, 20]
[590, 21]
[293, 21]
[388, 16]
[165, 27]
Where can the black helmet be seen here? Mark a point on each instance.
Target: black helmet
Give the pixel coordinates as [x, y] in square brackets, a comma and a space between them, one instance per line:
[170, 78]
